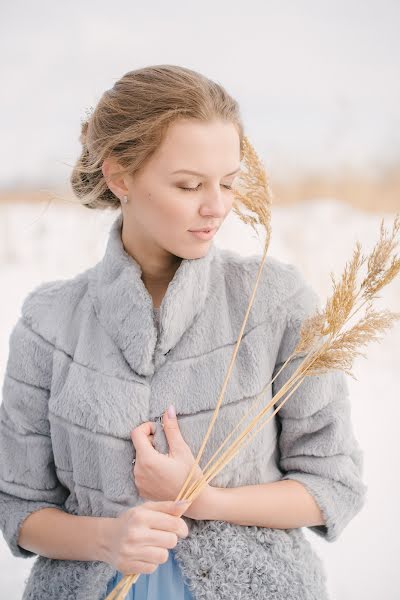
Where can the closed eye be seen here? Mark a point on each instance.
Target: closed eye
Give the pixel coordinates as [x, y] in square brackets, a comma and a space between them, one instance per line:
[189, 189]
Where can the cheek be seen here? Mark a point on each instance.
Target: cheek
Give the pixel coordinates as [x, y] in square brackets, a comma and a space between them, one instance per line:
[173, 208]
[229, 203]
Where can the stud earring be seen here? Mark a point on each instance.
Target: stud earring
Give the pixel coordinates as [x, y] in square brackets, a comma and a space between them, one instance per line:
[125, 199]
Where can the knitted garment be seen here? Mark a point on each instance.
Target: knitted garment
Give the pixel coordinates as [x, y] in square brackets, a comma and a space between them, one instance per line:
[87, 365]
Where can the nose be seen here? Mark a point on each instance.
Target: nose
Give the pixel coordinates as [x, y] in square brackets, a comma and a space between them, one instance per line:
[214, 204]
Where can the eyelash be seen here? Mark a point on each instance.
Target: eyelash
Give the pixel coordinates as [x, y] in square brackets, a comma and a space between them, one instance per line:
[228, 187]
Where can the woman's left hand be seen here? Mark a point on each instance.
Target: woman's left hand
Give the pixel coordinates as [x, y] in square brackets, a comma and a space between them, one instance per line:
[159, 476]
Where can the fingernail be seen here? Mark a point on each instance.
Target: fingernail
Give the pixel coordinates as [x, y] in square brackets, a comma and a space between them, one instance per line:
[182, 502]
[171, 412]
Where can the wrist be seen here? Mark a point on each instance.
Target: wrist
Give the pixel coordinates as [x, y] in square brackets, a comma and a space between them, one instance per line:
[205, 506]
[104, 535]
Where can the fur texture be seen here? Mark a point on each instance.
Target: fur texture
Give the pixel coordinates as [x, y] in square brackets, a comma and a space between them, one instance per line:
[86, 365]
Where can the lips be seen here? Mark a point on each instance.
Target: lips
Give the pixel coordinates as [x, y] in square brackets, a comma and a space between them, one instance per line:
[204, 230]
[204, 235]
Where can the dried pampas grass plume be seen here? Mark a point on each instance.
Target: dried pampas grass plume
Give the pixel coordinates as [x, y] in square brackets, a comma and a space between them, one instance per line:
[379, 274]
[253, 191]
[347, 300]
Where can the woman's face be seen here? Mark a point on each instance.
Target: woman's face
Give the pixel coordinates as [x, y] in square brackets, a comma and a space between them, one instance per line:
[160, 213]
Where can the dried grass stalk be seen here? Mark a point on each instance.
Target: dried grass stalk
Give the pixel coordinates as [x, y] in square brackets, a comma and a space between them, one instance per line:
[328, 345]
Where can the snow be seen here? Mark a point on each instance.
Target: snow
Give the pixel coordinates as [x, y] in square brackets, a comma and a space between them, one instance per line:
[43, 243]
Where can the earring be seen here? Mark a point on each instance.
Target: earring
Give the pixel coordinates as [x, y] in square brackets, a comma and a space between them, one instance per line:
[125, 199]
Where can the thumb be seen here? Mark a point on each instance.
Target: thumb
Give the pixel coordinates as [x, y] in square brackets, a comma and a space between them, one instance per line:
[172, 431]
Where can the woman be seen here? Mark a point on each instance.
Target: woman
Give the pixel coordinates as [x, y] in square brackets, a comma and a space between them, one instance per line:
[91, 373]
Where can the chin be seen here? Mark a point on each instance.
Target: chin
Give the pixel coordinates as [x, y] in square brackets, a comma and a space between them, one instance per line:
[195, 252]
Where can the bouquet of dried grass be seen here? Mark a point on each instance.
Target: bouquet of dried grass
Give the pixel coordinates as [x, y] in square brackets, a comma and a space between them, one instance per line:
[327, 341]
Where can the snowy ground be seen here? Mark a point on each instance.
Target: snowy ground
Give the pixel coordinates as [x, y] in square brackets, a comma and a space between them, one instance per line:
[38, 244]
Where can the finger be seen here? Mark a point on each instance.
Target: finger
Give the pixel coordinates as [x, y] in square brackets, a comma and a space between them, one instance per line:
[150, 554]
[165, 522]
[145, 560]
[138, 566]
[148, 427]
[175, 440]
[159, 537]
[141, 436]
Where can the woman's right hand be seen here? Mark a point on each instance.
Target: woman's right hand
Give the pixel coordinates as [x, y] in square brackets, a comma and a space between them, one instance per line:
[137, 541]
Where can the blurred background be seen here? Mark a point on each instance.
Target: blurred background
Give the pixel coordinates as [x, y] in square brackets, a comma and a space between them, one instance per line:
[319, 87]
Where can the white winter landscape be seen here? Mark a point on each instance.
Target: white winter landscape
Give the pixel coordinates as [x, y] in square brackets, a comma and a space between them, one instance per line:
[39, 243]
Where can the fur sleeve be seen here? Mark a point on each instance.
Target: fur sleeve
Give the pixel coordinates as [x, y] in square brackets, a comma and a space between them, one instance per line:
[317, 444]
[28, 480]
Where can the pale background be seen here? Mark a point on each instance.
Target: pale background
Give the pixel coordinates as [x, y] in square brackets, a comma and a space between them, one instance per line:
[319, 87]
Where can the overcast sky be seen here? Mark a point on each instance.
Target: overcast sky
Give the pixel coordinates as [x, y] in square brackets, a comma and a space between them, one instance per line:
[318, 82]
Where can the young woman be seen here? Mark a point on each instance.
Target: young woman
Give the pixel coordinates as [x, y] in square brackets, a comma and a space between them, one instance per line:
[95, 362]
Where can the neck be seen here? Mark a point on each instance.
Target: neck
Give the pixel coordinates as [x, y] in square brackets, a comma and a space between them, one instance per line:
[158, 266]
[124, 308]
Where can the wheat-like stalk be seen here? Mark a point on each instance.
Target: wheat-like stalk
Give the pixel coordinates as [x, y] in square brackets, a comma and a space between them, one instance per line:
[340, 349]
[323, 342]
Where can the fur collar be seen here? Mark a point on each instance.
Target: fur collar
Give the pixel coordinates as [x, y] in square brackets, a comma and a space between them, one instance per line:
[124, 306]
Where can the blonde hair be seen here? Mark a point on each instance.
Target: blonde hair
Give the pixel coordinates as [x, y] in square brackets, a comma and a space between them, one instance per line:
[131, 119]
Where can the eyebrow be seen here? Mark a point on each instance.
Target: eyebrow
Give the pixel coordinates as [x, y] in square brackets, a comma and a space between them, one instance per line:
[201, 174]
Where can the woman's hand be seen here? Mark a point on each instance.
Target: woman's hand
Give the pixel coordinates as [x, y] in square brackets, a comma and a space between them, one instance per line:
[161, 477]
[138, 540]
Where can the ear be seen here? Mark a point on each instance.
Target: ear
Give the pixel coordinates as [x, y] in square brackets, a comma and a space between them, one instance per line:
[116, 183]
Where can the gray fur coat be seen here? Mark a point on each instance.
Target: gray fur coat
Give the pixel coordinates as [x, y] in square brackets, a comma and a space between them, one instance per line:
[86, 365]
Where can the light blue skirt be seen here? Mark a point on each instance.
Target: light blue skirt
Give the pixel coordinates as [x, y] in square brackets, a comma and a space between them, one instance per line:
[165, 583]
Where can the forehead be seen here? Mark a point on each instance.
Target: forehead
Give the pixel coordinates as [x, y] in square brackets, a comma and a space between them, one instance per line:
[202, 148]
